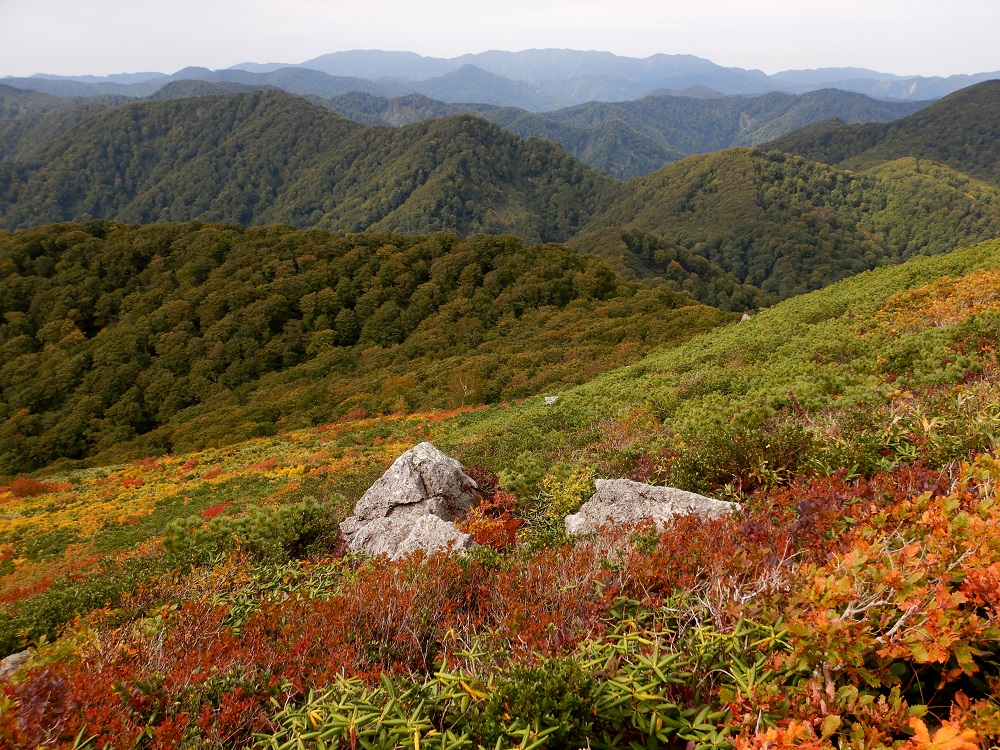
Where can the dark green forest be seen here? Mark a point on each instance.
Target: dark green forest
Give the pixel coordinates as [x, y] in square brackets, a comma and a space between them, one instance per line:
[959, 131]
[120, 340]
[269, 157]
[786, 225]
[737, 228]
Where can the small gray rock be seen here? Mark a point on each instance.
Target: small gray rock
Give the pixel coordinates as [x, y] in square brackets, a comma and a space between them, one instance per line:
[10, 665]
[412, 506]
[622, 501]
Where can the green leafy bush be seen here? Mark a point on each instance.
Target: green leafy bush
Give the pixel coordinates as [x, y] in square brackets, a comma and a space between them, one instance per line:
[272, 534]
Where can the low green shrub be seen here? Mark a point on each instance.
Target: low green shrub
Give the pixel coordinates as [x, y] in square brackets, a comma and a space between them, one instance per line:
[292, 531]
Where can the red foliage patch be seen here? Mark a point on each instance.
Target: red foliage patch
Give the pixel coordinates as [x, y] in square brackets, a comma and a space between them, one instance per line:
[201, 675]
[215, 510]
[28, 487]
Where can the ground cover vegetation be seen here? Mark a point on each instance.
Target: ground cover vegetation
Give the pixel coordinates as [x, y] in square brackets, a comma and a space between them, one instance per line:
[122, 341]
[851, 602]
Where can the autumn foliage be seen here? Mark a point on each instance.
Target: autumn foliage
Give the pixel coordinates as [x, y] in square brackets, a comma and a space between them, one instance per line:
[873, 602]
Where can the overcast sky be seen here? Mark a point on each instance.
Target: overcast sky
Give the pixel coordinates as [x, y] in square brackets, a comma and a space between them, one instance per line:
[72, 37]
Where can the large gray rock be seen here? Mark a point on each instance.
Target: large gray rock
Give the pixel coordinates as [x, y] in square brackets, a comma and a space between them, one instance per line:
[10, 665]
[412, 507]
[622, 501]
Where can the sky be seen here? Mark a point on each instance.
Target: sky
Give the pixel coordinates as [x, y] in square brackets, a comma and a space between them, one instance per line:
[99, 37]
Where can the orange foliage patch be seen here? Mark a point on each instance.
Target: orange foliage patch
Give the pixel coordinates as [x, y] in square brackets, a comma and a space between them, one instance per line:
[946, 301]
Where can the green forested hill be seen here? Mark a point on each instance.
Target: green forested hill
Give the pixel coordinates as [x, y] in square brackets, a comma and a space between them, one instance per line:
[962, 130]
[787, 225]
[632, 138]
[269, 157]
[120, 340]
[16, 103]
[737, 228]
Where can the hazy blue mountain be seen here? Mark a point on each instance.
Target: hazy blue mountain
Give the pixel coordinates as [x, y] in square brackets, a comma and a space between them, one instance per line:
[537, 79]
[536, 65]
[821, 76]
[376, 64]
[106, 85]
[124, 78]
[252, 67]
[305, 82]
[472, 84]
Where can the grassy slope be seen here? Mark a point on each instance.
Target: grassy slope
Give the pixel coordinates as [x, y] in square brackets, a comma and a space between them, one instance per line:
[893, 365]
[817, 361]
[809, 348]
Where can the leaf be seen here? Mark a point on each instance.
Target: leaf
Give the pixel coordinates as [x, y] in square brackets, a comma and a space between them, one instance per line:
[948, 737]
[830, 725]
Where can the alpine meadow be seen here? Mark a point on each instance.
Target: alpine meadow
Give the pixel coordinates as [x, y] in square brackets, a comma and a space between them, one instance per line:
[543, 399]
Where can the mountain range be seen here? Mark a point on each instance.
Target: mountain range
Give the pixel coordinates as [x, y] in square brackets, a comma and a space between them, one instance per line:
[737, 227]
[537, 80]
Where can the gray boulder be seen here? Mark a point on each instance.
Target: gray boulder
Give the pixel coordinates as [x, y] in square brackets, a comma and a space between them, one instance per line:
[622, 501]
[412, 507]
[10, 665]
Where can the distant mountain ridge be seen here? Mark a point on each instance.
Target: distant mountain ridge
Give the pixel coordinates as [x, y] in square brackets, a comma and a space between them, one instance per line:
[735, 228]
[537, 79]
[625, 139]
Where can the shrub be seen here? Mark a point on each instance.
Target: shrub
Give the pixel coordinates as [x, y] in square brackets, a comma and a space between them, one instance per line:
[28, 487]
[556, 694]
[296, 530]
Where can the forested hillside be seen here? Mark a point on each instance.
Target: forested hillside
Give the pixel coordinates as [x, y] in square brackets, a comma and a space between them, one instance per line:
[119, 341]
[268, 157]
[632, 138]
[960, 131]
[787, 225]
[737, 227]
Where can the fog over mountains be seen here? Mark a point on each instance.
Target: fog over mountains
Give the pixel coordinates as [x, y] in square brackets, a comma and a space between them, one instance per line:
[536, 80]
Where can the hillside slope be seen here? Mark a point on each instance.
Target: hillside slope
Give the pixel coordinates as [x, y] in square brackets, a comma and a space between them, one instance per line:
[787, 225]
[123, 340]
[633, 138]
[269, 157]
[960, 130]
[855, 425]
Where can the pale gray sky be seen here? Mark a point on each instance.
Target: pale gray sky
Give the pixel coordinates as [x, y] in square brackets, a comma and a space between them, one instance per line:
[72, 37]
